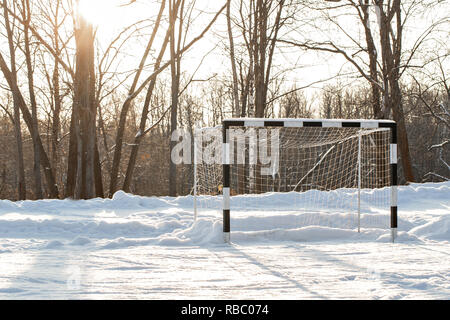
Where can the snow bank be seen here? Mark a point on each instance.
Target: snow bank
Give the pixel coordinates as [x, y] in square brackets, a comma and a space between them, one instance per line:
[437, 229]
[128, 220]
[150, 248]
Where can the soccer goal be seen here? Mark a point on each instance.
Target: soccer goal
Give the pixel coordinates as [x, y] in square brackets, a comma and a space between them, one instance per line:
[331, 173]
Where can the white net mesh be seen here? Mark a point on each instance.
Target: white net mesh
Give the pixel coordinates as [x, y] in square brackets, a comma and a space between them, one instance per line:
[308, 176]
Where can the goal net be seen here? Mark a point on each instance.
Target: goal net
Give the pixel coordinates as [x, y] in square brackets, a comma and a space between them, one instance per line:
[272, 174]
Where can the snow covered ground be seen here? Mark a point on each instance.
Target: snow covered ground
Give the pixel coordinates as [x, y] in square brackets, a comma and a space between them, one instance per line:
[149, 248]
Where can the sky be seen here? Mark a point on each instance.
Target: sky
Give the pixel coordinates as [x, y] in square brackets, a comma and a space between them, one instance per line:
[112, 15]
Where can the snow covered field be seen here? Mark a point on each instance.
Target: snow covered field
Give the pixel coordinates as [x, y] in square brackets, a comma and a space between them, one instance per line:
[148, 248]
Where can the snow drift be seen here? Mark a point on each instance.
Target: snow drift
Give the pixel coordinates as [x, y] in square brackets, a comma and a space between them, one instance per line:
[129, 220]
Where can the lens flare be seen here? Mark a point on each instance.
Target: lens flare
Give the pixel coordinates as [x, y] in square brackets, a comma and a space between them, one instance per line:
[101, 13]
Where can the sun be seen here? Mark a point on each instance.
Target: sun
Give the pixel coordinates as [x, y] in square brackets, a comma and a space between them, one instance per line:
[101, 13]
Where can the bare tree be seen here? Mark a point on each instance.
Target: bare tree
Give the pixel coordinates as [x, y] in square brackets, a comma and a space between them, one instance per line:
[433, 92]
[135, 90]
[21, 187]
[26, 16]
[385, 69]
[235, 86]
[85, 108]
[132, 93]
[175, 74]
[52, 187]
[145, 111]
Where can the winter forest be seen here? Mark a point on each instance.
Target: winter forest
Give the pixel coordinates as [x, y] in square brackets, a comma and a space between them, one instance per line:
[91, 90]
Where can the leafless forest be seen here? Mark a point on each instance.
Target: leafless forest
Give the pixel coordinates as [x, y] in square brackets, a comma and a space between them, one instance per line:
[84, 113]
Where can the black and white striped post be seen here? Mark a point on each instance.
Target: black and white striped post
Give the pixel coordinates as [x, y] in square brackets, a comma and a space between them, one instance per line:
[226, 181]
[317, 123]
[393, 171]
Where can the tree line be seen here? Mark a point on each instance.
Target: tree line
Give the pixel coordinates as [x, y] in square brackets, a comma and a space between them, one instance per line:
[76, 123]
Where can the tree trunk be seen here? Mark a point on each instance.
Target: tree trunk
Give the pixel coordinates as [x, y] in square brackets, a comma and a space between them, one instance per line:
[72, 163]
[391, 54]
[99, 192]
[143, 121]
[21, 186]
[236, 109]
[373, 56]
[85, 110]
[126, 106]
[35, 132]
[56, 124]
[402, 135]
[51, 183]
[175, 90]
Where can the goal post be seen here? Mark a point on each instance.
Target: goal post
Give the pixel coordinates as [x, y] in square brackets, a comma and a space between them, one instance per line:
[332, 166]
